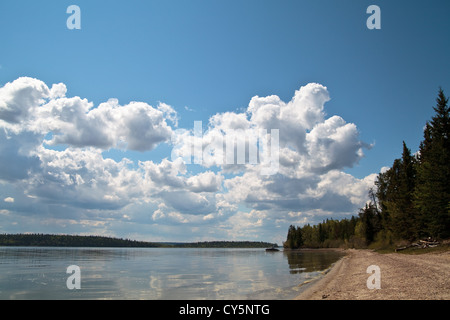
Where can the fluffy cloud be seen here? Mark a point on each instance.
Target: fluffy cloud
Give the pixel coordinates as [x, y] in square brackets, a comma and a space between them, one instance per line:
[9, 200]
[16, 162]
[27, 104]
[33, 116]
[52, 149]
[205, 182]
[307, 141]
[334, 144]
[295, 118]
[84, 179]
[313, 152]
[136, 126]
[19, 99]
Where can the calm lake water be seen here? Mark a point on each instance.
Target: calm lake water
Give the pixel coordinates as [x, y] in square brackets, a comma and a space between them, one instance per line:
[158, 273]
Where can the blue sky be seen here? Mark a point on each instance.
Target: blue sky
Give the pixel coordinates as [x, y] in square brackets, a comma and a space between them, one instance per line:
[203, 59]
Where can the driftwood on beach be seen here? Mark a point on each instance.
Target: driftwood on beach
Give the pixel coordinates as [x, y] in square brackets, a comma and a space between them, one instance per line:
[421, 244]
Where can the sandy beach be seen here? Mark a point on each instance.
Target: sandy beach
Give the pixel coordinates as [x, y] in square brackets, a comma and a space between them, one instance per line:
[402, 277]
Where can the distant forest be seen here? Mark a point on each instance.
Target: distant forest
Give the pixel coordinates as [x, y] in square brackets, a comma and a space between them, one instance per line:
[410, 201]
[226, 244]
[49, 240]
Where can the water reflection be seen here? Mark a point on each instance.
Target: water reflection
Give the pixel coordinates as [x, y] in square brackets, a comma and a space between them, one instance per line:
[158, 273]
[310, 260]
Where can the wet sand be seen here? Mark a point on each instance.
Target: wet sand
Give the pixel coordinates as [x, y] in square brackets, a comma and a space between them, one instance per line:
[403, 277]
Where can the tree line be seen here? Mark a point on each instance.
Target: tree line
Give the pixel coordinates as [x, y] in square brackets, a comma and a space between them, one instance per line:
[409, 201]
[52, 240]
[227, 244]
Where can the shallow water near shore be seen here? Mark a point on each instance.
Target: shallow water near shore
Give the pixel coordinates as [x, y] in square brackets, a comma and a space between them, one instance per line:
[158, 273]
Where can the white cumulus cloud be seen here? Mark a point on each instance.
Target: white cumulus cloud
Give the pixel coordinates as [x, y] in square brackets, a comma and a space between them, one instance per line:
[76, 181]
[27, 104]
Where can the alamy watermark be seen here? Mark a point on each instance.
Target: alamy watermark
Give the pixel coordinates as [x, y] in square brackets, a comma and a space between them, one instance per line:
[74, 20]
[235, 147]
[374, 280]
[74, 280]
[374, 21]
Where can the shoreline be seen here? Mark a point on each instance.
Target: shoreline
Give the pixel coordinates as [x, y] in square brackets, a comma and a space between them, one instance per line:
[402, 277]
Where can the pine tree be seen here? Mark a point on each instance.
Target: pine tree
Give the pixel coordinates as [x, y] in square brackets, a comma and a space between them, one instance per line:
[298, 238]
[370, 221]
[383, 184]
[432, 192]
[388, 191]
[294, 239]
[400, 202]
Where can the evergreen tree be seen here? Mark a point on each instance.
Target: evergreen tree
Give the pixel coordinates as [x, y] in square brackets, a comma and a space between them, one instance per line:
[298, 237]
[294, 239]
[432, 192]
[383, 183]
[322, 233]
[371, 223]
[400, 201]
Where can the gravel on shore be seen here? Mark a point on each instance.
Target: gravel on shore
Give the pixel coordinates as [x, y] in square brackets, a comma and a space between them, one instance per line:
[402, 277]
